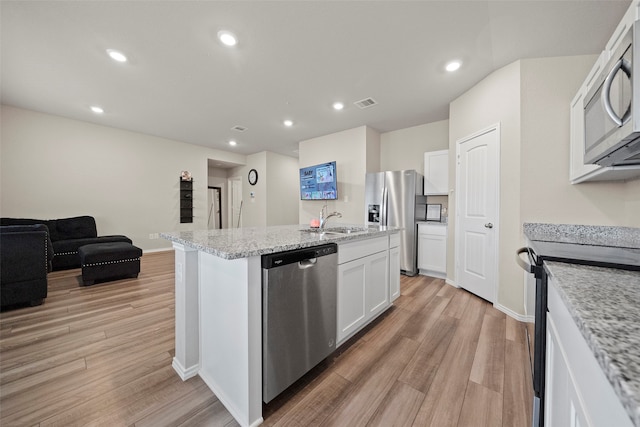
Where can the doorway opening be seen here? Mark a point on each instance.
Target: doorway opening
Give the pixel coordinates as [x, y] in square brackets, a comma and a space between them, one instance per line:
[214, 217]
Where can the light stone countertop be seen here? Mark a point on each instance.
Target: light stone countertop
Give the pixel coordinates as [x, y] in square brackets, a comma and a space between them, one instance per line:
[603, 302]
[626, 237]
[234, 243]
[605, 305]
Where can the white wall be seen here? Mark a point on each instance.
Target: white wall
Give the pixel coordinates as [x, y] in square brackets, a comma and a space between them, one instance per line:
[548, 85]
[404, 149]
[353, 150]
[530, 99]
[254, 197]
[274, 198]
[53, 167]
[496, 99]
[283, 189]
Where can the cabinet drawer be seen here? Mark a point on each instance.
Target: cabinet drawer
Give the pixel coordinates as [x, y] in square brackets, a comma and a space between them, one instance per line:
[394, 240]
[434, 229]
[354, 250]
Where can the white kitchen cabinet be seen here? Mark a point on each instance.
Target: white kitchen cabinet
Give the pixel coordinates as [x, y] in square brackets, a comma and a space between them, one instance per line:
[436, 173]
[363, 284]
[394, 266]
[630, 16]
[577, 391]
[432, 249]
[563, 407]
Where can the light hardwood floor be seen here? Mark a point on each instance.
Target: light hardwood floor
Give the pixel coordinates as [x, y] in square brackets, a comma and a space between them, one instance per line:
[102, 355]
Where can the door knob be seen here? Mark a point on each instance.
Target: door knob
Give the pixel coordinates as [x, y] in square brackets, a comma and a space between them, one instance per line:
[488, 225]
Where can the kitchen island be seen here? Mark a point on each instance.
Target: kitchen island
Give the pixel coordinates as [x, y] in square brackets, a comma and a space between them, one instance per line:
[218, 302]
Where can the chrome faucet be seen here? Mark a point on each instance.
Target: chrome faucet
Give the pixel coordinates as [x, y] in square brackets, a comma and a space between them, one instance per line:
[324, 216]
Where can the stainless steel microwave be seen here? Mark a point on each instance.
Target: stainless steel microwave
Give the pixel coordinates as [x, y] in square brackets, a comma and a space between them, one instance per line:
[612, 107]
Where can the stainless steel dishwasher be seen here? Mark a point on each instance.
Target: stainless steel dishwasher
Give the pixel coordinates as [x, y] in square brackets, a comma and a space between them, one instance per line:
[299, 291]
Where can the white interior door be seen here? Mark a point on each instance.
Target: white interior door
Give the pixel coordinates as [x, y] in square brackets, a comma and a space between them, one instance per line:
[235, 204]
[477, 204]
[213, 196]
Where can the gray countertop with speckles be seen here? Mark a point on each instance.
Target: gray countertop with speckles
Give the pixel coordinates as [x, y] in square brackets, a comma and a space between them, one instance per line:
[626, 237]
[236, 243]
[604, 303]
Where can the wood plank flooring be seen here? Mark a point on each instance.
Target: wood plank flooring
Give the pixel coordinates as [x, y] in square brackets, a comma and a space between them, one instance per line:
[102, 355]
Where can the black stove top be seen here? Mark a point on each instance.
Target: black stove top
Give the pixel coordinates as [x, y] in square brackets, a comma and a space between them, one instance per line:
[601, 256]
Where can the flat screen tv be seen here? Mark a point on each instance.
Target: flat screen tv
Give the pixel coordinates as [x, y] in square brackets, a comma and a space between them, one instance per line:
[319, 182]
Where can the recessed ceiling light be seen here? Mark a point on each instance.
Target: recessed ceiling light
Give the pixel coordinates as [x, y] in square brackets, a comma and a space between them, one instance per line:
[96, 109]
[233, 143]
[338, 106]
[453, 66]
[116, 55]
[227, 38]
[288, 123]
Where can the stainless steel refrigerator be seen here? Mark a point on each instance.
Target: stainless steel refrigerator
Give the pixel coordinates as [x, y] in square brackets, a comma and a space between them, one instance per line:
[394, 198]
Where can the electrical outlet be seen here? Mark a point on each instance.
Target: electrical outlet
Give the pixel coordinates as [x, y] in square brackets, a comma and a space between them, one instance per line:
[154, 236]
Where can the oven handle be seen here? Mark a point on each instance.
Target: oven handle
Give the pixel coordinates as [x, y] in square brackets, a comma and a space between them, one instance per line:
[625, 66]
[529, 268]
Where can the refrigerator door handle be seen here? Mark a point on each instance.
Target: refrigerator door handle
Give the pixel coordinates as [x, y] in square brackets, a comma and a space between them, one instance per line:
[383, 214]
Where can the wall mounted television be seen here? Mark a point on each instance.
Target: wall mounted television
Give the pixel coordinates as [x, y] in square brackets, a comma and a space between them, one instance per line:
[319, 182]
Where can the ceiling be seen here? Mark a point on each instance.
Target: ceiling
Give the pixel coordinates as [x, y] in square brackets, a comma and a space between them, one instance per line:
[292, 61]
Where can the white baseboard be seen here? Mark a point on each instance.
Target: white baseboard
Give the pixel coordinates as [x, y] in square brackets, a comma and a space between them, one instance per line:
[519, 317]
[451, 282]
[151, 251]
[229, 404]
[432, 273]
[183, 372]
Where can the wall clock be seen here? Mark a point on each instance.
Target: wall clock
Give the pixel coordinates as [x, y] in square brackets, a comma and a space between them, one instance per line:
[253, 176]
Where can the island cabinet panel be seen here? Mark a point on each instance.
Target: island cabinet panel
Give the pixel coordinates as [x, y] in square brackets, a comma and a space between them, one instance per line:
[394, 267]
[577, 391]
[352, 279]
[377, 290]
[363, 284]
[231, 333]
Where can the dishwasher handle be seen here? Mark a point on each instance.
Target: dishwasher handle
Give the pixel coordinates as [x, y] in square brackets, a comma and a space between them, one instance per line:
[307, 263]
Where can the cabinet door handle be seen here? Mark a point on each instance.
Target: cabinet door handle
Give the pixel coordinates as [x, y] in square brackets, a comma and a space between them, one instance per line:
[488, 225]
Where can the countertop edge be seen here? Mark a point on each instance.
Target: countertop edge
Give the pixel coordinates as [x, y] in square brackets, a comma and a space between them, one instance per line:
[338, 238]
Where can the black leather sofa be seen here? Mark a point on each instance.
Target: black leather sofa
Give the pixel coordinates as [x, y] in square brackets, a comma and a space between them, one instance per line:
[67, 235]
[26, 253]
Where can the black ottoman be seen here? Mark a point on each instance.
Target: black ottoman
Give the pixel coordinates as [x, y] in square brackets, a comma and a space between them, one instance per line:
[109, 261]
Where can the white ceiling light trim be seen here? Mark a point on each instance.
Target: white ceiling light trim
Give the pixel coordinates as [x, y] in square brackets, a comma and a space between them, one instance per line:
[96, 109]
[453, 66]
[288, 123]
[233, 143]
[338, 106]
[227, 38]
[116, 55]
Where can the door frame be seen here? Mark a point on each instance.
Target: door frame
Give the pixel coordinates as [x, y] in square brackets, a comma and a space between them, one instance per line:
[458, 249]
[211, 187]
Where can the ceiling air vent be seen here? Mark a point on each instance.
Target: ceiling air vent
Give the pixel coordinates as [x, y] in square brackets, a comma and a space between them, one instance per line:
[366, 103]
[239, 128]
